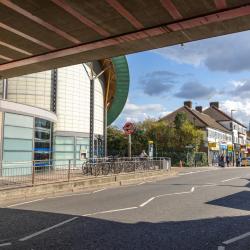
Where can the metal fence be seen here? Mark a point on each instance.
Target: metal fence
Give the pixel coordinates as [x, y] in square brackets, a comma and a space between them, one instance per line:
[17, 174]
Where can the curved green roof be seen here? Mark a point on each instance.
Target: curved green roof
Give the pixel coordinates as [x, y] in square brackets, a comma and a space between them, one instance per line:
[120, 65]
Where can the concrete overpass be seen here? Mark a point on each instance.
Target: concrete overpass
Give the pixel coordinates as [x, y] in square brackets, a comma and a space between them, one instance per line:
[40, 35]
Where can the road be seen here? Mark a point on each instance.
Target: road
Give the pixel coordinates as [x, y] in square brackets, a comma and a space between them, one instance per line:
[202, 208]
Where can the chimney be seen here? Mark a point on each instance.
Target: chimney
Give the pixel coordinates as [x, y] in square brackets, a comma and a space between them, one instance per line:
[188, 104]
[214, 104]
[199, 108]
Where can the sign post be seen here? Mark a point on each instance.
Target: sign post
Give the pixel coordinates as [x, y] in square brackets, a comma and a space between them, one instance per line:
[129, 129]
[129, 145]
[150, 149]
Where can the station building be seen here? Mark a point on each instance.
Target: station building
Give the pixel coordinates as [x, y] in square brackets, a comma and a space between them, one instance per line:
[46, 117]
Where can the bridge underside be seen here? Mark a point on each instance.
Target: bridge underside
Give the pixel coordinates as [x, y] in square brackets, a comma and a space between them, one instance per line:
[41, 35]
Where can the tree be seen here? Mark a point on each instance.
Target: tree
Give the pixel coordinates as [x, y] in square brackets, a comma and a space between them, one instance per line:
[179, 120]
[167, 137]
[116, 141]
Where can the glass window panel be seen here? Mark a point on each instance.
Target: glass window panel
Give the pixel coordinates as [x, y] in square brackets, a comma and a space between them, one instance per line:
[17, 156]
[13, 144]
[41, 144]
[43, 135]
[41, 156]
[82, 141]
[18, 120]
[63, 156]
[41, 123]
[69, 148]
[84, 147]
[64, 140]
[17, 132]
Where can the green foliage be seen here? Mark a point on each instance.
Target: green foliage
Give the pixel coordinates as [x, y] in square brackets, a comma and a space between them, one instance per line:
[180, 119]
[168, 139]
[117, 142]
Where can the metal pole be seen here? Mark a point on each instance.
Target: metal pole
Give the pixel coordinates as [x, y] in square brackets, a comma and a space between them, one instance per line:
[105, 135]
[129, 145]
[91, 119]
[33, 173]
[232, 136]
[5, 88]
[69, 170]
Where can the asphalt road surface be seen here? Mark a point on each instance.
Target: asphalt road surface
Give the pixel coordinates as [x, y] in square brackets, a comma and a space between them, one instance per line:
[202, 208]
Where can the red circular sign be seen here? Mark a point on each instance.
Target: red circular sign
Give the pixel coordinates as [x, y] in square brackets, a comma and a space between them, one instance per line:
[129, 128]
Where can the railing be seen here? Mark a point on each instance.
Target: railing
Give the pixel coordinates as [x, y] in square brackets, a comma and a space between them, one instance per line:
[17, 174]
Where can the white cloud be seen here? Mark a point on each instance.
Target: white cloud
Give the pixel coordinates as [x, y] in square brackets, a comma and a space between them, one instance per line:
[242, 109]
[225, 53]
[238, 83]
[135, 113]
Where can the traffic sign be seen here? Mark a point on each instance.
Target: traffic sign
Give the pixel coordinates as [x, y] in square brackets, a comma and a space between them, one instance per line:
[129, 128]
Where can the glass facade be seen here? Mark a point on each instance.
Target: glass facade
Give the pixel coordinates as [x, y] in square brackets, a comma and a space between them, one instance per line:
[69, 148]
[27, 137]
[33, 89]
[42, 142]
[64, 148]
[17, 144]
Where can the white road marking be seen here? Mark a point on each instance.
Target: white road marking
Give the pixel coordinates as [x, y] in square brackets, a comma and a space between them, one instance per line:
[186, 192]
[47, 229]
[99, 190]
[146, 202]
[26, 202]
[196, 172]
[240, 237]
[66, 195]
[221, 248]
[230, 179]
[207, 185]
[5, 244]
[111, 211]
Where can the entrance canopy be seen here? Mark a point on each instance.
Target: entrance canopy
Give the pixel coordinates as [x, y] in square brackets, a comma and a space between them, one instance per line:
[40, 35]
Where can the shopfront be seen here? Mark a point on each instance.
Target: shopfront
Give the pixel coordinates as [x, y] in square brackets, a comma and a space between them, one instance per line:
[214, 152]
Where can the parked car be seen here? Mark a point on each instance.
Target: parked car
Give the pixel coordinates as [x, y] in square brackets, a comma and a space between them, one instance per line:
[245, 161]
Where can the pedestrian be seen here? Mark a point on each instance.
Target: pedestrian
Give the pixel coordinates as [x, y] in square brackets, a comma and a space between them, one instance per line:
[227, 160]
[143, 154]
[239, 161]
[222, 161]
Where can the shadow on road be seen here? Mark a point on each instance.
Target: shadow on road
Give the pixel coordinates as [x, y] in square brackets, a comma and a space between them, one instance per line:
[94, 233]
[239, 200]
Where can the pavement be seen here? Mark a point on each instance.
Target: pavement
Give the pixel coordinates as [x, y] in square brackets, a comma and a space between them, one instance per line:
[200, 208]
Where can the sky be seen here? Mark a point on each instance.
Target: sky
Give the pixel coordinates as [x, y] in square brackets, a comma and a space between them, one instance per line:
[214, 69]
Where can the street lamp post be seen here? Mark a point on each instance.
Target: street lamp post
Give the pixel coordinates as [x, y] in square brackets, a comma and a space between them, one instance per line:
[232, 110]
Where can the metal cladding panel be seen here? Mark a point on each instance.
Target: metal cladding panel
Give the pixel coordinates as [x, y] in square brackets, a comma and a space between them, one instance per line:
[73, 100]
[122, 88]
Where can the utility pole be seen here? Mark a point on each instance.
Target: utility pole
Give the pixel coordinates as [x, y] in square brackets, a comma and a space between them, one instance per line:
[233, 156]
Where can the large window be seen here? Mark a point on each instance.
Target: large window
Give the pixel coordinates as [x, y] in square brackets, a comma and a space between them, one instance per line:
[64, 148]
[42, 142]
[17, 144]
[69, 148]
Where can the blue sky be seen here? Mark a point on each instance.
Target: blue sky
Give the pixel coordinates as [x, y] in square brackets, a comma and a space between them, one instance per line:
[215, 69]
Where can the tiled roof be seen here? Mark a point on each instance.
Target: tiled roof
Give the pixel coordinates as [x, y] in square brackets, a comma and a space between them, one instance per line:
[219, 115]
[202, 120]
[209, 121]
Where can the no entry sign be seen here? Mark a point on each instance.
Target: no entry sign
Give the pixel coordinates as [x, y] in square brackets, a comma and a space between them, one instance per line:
[129, 128]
